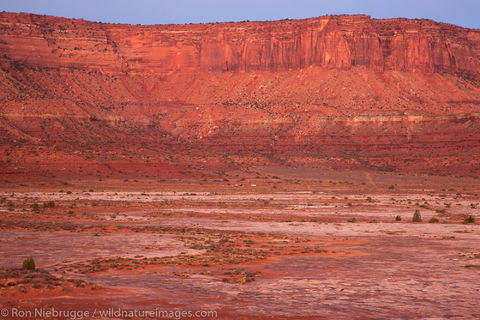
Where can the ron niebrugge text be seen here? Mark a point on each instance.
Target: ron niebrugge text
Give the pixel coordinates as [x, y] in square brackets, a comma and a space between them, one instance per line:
[112, 312]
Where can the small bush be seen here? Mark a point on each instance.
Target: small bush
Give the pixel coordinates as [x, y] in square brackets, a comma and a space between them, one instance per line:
[469, 220]
[28, 264]
[35, 208]
[433, 220]
[49, 204]
[416, 216]
[398, 218]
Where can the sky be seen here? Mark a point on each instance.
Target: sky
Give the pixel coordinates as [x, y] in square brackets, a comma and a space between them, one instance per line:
[465, 13]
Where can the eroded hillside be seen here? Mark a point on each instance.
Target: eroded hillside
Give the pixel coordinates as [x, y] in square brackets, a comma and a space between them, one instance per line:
[336, 91]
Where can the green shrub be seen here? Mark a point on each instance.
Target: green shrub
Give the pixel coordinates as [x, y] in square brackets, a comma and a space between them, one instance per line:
[398, 218]
[416, 216]
[433, 220]
[469, 220]
[28, 264]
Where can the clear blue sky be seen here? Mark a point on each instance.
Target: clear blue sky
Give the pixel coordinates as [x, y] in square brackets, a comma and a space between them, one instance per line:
[460, 12]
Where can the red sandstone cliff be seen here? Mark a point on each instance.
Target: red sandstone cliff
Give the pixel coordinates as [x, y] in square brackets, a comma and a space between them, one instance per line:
[331, 41]
[401, 94]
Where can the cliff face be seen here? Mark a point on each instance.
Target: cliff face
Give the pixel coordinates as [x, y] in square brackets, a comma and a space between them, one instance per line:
[397, 94]
[333, 41]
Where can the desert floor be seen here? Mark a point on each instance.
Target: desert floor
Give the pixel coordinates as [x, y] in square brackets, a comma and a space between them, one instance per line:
[275, 244]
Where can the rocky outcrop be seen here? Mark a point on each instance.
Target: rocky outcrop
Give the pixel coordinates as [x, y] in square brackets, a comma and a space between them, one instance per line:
[330, 41]
[394, 94]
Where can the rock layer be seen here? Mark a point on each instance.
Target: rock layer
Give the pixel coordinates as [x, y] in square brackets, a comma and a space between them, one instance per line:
[338, 90]
[331, 41]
